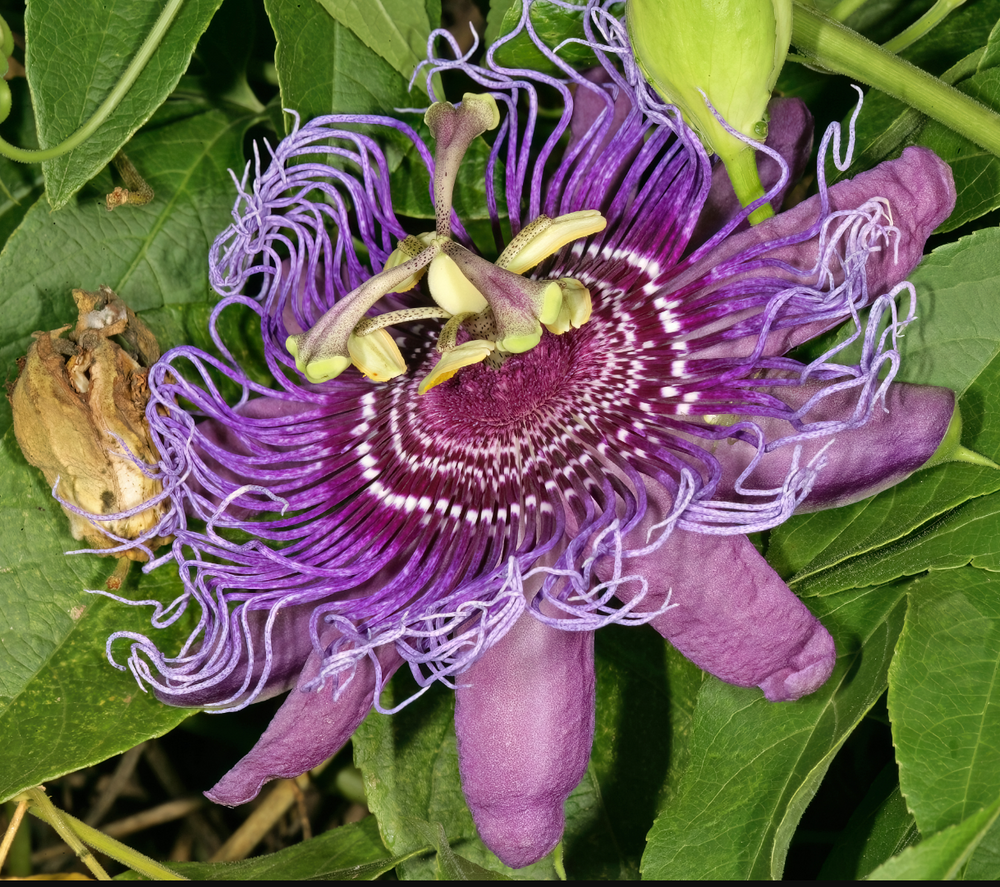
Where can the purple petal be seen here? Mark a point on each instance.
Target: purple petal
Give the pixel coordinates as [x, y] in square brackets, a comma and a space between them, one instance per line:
[920, 192]
[889, 447]
[790, 133]
[291, 646]
[219, 442]
[524, 717]
[733, 616]
[588, 105]
[309, 727]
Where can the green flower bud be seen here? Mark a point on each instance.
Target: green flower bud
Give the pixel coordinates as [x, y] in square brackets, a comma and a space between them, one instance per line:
[730, 50]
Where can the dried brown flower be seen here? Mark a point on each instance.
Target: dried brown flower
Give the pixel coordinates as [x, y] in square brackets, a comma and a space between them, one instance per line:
[79, 412]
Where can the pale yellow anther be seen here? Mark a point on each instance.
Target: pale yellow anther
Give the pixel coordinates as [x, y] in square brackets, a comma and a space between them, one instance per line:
[451, 289]
[376, 355]
[562, 323]
[466, 354]
[406, 249]
[543, 237]
[575, 309]
[552, 300]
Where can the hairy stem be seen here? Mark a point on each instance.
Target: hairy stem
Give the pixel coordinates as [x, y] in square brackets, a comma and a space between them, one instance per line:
[47, 810]
[843, 51]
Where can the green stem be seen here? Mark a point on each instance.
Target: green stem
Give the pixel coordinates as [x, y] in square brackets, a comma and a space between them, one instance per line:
[843, 51]
[845, 8]
[742, 169]
[930, 19]
[136, 861]
[149, 46]
[47, 810]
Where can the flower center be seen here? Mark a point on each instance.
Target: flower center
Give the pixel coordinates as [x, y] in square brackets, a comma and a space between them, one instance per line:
[490, 309]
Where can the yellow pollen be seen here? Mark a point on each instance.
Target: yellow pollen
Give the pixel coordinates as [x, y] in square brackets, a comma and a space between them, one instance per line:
[376, 355]
[466, 354]
[543, 237]
[451, 289]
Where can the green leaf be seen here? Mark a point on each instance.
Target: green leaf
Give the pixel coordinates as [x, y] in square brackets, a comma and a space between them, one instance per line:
[351, 852]
[646, 695]
[965, 535]
[432, 9]
[991, 52]
[62, 705]
[955, 343]
[152, 256]
[451, 867]
[410, 766]
[324, 68]
[76, 51]
[940, 857]
[976, 171]
[944, 697]
[984, 865]
[494, 20]
[396, 30]
[223, 54]
[957, 333]
[880, 828]
[755, 765]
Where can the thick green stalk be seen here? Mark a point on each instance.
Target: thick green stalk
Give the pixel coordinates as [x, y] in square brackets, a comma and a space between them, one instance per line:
[838, 49]
[742, 169]
[145, 53]
[45, 809]
[107, 845]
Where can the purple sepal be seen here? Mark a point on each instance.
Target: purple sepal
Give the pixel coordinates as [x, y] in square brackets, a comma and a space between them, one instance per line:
[858, 463]
[733, 616]
[524, 715]
[310, 726]
[790, 133]
[920, 192]
[291, 646]
[588, 106]
[224, 447]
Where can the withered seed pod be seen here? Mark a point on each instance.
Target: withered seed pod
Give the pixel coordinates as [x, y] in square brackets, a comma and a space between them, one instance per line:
[72, 396]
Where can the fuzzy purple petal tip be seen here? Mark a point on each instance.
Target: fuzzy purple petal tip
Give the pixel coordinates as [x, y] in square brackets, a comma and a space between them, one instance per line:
[525, 722]
[312, 725]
